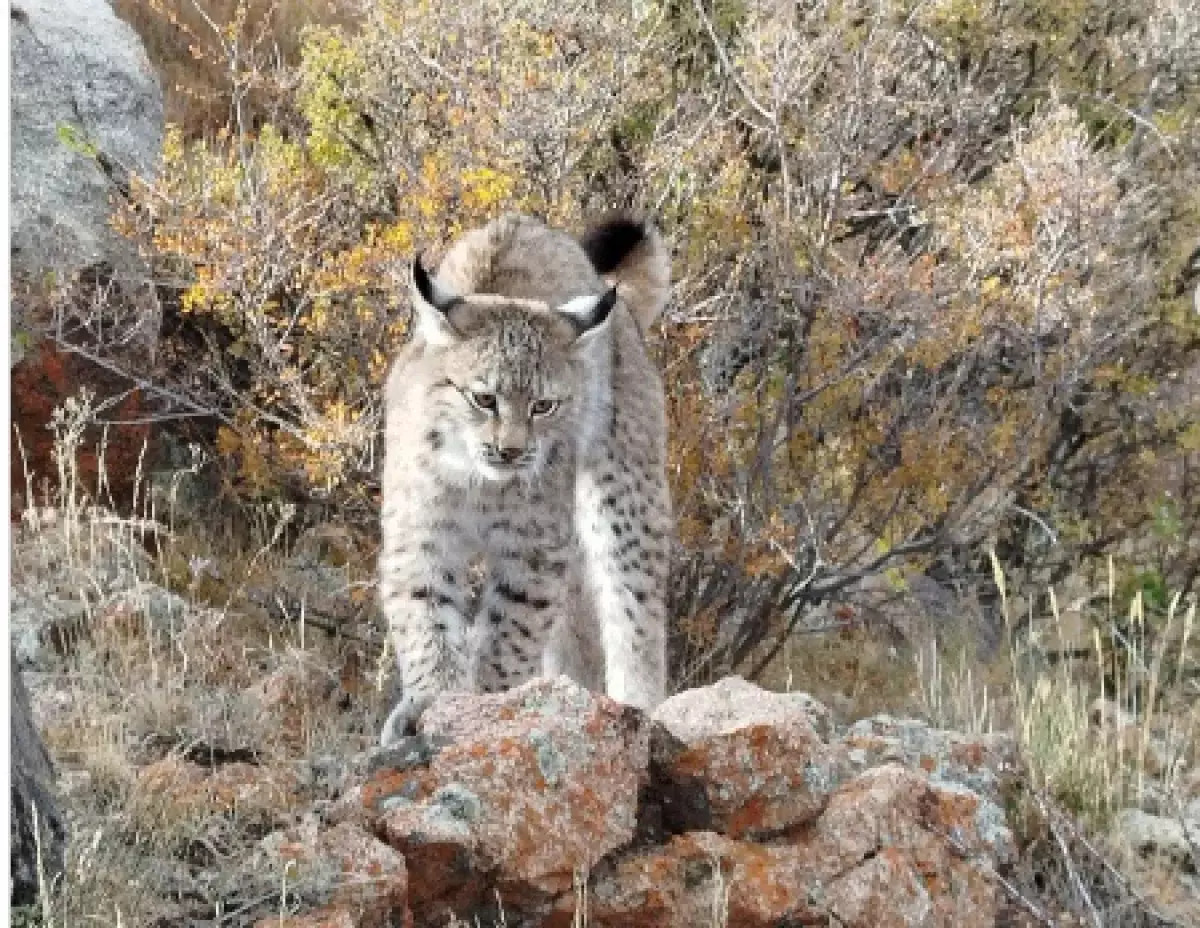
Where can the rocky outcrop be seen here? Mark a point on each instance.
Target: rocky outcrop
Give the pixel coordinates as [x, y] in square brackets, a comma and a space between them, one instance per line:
[729, 806]
[891, 848]
[87, 113]
[742, 761]
[86, 110]
[520, 791]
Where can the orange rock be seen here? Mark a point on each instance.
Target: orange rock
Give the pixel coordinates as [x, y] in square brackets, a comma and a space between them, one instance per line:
[884, 892]
[359, 877]
[757, 758]
[914, 848]
[701, 877]
[535, 784]
[503, 801]
[891, 850]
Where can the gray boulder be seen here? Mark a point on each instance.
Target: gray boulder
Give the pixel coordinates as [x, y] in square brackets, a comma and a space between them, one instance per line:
[86, 111]
[37, 832]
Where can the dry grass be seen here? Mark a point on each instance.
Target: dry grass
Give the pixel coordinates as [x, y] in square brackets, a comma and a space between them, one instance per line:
[182, 717]
[1097, 733]
[1101, 733]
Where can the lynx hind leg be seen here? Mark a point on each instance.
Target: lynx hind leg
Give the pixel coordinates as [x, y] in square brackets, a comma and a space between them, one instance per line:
[625, 555]
[425, 597]
[575, 647]
[524, 594]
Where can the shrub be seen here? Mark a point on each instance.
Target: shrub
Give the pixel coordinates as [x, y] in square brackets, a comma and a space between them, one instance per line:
[930, 286]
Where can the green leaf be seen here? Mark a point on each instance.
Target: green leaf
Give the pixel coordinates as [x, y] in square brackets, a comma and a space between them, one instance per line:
[76, 139]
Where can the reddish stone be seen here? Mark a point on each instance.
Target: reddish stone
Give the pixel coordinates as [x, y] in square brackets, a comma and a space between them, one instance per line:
[891, 850]
[702, 878]
[360, 877]
[758, 756]
[533, 786]
[42, 381]
[917, 848]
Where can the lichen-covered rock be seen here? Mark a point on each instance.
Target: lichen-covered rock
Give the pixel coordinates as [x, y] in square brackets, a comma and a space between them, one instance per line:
[978, 762]
[358, 880]
[918, 848]
[892, 849]
[503, 804]
[523, 788]
[754, 760]
[699, 878]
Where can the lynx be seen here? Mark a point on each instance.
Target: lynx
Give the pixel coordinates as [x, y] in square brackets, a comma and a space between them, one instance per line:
[525, 447]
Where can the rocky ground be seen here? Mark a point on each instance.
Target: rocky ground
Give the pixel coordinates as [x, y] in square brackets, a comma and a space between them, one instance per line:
[213, 719]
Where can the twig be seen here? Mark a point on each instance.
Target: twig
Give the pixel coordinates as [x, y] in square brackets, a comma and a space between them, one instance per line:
[1052, 816]
[195, 409]
[988, 870]
[1034, 517]
[727, 65]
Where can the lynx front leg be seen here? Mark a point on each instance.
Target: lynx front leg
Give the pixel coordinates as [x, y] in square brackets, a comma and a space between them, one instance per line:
[423, 583]
[524, 596]
[624, 544]
[574, 647]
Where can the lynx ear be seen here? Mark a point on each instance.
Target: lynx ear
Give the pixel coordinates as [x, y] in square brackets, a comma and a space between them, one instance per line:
[431, 301]
[589, 314]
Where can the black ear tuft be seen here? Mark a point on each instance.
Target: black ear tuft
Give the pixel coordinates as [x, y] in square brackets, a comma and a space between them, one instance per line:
[423, 283]
[600, 312]
[611, 241]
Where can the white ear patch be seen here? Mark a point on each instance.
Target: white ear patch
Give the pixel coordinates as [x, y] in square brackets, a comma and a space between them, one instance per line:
[590, 313]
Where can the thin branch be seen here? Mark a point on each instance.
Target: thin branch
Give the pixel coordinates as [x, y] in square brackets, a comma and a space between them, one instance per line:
[727, 65]
[195, 409]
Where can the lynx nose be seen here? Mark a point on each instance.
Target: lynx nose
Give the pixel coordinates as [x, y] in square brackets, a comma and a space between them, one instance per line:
[510, 455]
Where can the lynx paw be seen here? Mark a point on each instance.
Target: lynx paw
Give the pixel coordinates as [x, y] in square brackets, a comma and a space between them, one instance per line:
[402, 722]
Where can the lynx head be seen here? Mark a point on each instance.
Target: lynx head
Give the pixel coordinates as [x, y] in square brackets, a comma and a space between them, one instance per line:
[510, 374]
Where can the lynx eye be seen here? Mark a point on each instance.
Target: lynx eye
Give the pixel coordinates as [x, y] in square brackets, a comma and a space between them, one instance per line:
[542, 407]
[485, 402]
